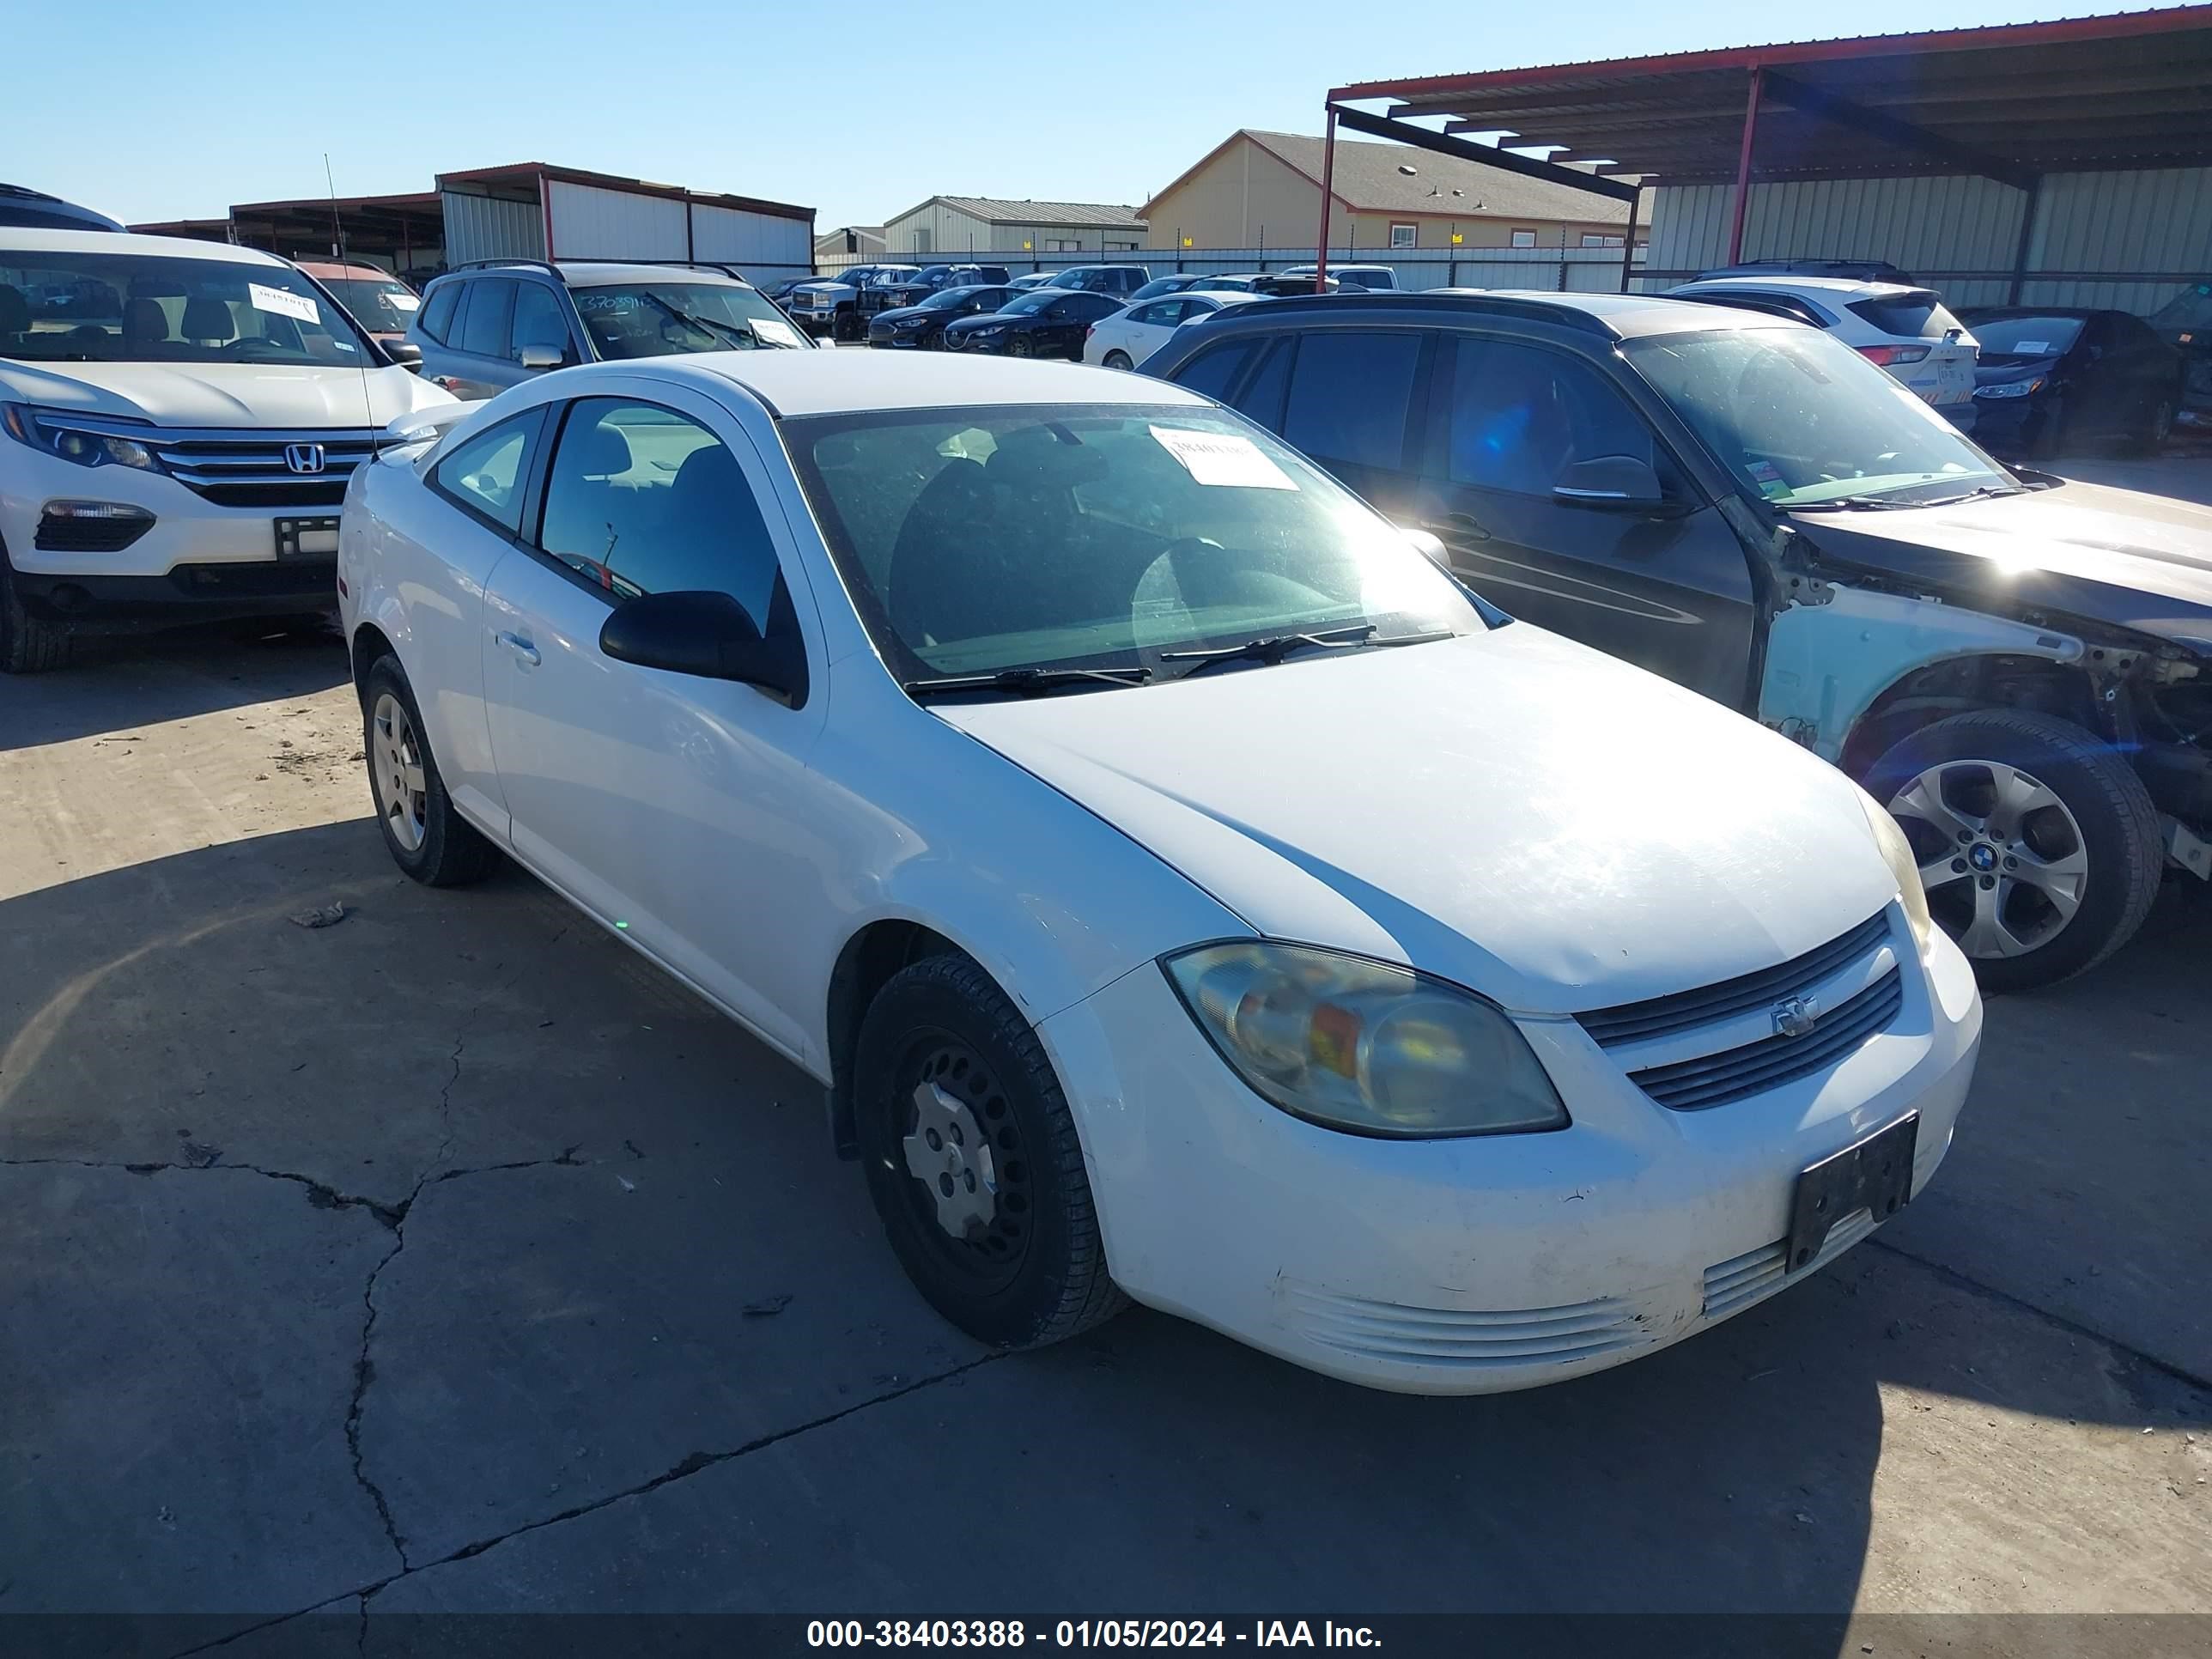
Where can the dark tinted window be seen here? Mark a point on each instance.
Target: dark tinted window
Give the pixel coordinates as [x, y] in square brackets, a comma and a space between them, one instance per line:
[1086, 307]
[484, 330]
[640, 500]
[438, 312]
[1918, 315]
[1210, 373]
[1262, 399]
[1159, 313]
[538, 319]
[486, 473]
[1349, 395]
[1519, 414]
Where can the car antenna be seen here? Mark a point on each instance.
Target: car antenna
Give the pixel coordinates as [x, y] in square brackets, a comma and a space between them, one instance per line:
[338, 249]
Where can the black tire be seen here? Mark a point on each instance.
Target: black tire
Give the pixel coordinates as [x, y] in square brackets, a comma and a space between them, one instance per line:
[846, 328]
[1117, 359]
[2117, 831]
[451, 851]
[2149, 439]
[1036, 1272]
[28, 644]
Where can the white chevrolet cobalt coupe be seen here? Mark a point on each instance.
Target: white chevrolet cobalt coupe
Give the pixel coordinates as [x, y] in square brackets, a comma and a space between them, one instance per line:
[1182, 887]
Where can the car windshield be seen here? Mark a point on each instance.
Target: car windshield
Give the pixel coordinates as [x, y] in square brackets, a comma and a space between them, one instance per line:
[667, 319]
[982, 540]
[890, 274]
[2026, 337]
[380, 305]
[155, 308]
[1800, 418]
[1034, 299]
[2190, 310]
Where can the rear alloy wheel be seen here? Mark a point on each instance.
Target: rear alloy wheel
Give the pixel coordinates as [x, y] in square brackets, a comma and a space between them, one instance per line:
[1118, 360]
[973, 1160]
[2039, 846]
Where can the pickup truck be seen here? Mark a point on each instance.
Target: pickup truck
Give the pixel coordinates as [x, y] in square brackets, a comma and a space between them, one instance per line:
[879, 297]
[832, 305]
[2018, 666]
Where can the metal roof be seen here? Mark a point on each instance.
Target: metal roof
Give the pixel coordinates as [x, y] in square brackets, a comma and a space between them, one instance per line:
[1001, 210]
[2011, 102]
[526, 175]
[1369, 178]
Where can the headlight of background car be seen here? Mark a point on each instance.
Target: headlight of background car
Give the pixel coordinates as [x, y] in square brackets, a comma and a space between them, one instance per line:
[1903, 865]
[2007, 389]
[1362, 1046]
[44, 429]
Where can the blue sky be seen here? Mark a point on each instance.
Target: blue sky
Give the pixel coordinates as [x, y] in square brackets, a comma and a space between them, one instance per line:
[150, 111]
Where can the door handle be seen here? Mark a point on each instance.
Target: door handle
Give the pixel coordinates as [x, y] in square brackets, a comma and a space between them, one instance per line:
[521, 647]
[1457, 527]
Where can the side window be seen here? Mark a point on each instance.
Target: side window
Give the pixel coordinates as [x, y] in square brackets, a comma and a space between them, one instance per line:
[486, 473]
[483, 331]
[438, 312]
[1263, 398]
[641, 500]
[1160, 314]
[538, 319]
[1350, 393]
[1519, 414]
[1211, 373]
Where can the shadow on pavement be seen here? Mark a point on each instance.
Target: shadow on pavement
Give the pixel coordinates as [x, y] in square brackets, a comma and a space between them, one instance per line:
[347, 1260]
[117, 685]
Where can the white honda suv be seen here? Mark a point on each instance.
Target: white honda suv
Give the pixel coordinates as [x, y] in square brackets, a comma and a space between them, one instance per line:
[1180, 886]
[177, 422]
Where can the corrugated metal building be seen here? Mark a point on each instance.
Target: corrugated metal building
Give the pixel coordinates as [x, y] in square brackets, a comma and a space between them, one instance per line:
[951, 227]
[2063, 162]
[534, 211]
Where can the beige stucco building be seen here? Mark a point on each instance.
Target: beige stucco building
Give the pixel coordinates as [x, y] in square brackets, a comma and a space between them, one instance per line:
[1262, 190]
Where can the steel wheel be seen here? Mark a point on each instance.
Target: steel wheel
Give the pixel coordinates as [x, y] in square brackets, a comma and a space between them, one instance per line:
[2002, 857]
[396, 773]
[971, 1179]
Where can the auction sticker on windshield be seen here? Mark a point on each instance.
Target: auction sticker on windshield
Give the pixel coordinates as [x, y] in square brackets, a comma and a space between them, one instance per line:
[776, 329]
[298, 306]
[1222, 458]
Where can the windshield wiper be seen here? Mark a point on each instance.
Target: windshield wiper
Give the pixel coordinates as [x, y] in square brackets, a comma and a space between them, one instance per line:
[1978, 493]
[1274, 647]
[1028, 682]
[730, 332]
[1849, 504]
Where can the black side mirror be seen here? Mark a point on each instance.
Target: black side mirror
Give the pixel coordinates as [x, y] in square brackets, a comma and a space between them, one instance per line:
[708, 635]
[1623, 483]
[405, 353]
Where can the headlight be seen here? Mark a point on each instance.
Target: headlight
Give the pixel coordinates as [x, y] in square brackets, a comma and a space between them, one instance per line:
[2009, 388]
[1362, 1046]
[1897, 851]
[49, 431]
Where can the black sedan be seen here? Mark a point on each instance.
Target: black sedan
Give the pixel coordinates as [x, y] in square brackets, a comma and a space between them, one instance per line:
[923, 325]
[2052, 378]
[2184, 323]
[1045, 322]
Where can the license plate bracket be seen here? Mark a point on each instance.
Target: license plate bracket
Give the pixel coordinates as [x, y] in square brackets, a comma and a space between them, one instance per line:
[1875, 1176]
[308, 538]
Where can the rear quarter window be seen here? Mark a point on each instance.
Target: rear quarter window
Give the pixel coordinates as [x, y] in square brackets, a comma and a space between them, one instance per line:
[1919, 316]
[438, 312]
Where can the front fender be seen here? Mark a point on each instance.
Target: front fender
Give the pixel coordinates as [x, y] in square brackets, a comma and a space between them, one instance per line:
[1828, 661]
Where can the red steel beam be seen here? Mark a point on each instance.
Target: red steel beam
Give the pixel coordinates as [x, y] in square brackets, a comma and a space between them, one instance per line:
[1743, 165]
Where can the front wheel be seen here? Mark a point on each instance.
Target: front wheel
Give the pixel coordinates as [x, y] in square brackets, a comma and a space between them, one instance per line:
[28, 644]
[2039, 845]
[426, 837]
[2158, 426]
[972, 1160]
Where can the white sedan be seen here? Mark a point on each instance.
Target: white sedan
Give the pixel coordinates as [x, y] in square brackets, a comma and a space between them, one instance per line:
[1128, 338]
[1182, 889]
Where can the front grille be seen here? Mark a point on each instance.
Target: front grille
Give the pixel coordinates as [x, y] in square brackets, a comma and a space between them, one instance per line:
[1633, 1022]
[1503, 1340]
[232, 467]
[1692, 1086]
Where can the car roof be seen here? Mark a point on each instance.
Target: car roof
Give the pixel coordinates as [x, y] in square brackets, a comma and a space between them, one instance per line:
[594, 273]
[799, 383]
[1614, 316]
[22, 239]
[1786, 282]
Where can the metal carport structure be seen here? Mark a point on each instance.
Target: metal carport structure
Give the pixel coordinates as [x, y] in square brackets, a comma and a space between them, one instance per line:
[2002, 141]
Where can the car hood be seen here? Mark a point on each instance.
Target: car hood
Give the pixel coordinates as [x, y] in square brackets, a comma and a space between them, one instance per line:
[2115, 556]
[1548, 826]
[823, 288]
[900, 313]
[984, 319]
[1994, 367]
[222, 394]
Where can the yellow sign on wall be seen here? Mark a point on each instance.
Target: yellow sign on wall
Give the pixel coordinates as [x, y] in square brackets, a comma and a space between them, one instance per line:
[1185, 241]
[1457, 239]
[1025, 247]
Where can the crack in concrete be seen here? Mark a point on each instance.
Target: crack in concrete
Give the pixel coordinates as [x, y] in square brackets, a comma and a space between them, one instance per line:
[2104, 1338]
[321, 1195]
[682, 1471]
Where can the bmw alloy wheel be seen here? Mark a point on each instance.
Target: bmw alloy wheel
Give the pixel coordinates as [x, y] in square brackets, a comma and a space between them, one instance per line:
[2002, 856]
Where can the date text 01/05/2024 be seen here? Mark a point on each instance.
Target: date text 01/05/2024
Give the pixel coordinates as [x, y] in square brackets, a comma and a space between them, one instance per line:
[1083, 1634]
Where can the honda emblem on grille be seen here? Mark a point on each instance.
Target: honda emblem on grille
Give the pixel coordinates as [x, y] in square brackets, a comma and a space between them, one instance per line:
[304, 458]
[1794, 1015]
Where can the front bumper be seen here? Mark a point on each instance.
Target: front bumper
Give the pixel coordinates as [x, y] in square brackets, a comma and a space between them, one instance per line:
[1488, 1263]
[2015, 425]
[197, 559]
